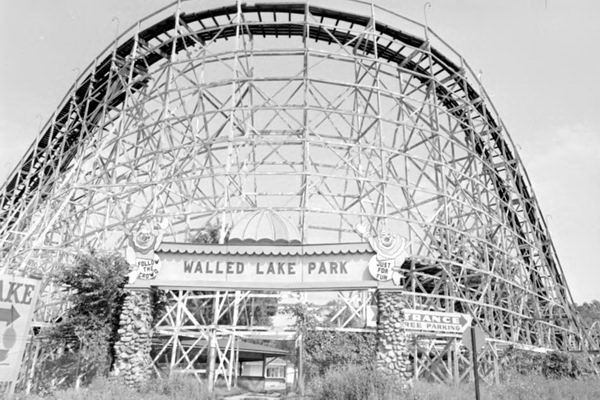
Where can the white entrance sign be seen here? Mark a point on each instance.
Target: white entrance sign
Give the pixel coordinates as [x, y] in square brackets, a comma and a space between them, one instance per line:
[436, 321]
[272, 271]
[18, 296]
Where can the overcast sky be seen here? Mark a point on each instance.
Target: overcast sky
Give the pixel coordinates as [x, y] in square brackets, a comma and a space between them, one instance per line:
[539, 61]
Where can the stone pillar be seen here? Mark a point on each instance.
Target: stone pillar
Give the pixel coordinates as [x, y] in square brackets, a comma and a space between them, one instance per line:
[392, 346]
[132, 351]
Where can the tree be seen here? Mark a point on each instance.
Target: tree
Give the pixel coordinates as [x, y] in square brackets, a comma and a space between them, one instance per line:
[589, 312]
[325, 349]
[84, 338]
[590, 315]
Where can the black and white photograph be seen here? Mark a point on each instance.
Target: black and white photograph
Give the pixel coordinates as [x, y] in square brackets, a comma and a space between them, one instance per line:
[299, 199]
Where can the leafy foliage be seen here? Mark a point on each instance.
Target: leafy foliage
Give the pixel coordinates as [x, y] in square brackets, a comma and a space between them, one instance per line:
[96, 282]
[305, 320]
[551, 365]
[590, 315]
[559, 365]
[590, 312]
[325, 350]
[84, 339]
[209, 234]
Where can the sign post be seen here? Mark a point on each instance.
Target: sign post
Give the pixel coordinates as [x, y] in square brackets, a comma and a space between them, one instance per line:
[18, 297]
[474, 339]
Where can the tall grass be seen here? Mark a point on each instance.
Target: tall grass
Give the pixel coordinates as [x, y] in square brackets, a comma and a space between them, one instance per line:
[359, 383]
[176, 388]
[354, 382]
[346, 383]
[522, 388]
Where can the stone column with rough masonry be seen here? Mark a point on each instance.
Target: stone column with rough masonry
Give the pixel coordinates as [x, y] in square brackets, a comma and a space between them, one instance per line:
[392, 346]
[132, 351]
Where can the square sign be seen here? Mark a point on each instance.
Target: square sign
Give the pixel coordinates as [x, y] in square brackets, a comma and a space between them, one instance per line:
[18, 297]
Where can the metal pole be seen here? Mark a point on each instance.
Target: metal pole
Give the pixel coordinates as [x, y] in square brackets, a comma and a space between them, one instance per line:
[475, 364]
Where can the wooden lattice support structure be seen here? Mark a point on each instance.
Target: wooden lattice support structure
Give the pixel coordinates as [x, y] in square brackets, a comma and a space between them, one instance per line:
[333, 119]
[443, 359]
[191, 320]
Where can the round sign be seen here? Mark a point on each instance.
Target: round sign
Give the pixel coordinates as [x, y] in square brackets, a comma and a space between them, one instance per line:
[381, 269]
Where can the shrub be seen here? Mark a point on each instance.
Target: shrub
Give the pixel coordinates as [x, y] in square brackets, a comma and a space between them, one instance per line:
[83, 340]
[551, 365]
[354, 382]
[327, 349]
[564, 365]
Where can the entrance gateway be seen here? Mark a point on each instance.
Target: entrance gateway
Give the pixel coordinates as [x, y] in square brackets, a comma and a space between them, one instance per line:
[216, 297]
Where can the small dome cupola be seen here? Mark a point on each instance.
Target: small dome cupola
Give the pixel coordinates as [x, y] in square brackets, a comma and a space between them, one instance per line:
[264, 226]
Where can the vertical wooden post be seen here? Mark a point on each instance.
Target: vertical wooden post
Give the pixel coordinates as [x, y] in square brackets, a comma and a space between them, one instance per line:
[236, 361]
[212, 355]
[33, 366]
[455, 352]
[234, 355]
[495, 361]
[212, 347]
[178, 318]
[11, 387]
[301, 364]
